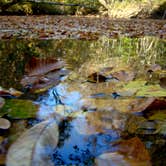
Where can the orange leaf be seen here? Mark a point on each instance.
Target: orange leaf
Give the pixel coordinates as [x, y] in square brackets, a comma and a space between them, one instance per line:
[134, 148]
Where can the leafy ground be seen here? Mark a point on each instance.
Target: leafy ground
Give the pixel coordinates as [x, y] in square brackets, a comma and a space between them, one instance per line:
[82, 102]
[60, 27]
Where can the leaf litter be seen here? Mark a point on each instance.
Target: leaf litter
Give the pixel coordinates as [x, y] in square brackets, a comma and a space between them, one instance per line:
[104, 91]
[89, 28]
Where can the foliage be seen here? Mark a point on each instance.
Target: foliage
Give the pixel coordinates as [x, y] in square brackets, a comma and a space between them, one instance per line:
[131, 8]
[50, 7]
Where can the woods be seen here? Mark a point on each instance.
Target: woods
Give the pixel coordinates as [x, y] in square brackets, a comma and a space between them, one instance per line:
[117, 9]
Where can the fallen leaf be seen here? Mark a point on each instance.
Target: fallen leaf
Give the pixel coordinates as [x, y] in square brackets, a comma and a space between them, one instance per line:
[117, 159]
[4, 123]
[157, 104]
[15, 92]
[139, 88]
[38, 66]
[10, 93]
[134, 149]
[96, 78]
[19, 109]
[106, 120]
[34, 146]
[158, 115]
[129, 105]
[151, 91]
[42, 83]
[37, 71]
[111, 159]
[123, 75]
[154, 67]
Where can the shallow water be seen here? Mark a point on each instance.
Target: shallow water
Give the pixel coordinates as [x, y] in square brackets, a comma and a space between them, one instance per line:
[75, 99]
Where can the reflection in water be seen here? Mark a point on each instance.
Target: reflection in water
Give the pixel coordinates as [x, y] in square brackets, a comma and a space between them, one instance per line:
[137, 51]
[83, 137]
[59, 95]
[79, 148]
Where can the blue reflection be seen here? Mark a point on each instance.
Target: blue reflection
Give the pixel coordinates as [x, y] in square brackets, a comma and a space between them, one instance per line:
[59, 95]
[80, 149]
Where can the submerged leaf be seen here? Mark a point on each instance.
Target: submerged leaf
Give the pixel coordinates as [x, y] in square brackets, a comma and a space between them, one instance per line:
[158, 115]
[131, 152]
[104, 120]
[111, 159]
[96, 78]
[4, 123]
[139, 88]
[151, 91]
[38, 66]
[9, 93]
[41, 74]
[123, 75]
[134, 148]
[35, 146]
[18, 109]
[157, 104]
[42, 83]
[121, 104]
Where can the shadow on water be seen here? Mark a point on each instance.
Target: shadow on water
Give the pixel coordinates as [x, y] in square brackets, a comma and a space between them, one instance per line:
[72, 94]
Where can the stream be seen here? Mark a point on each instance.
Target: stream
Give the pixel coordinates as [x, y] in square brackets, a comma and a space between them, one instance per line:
[102, 94]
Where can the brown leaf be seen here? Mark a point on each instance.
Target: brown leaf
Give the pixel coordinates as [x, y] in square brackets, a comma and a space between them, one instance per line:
[157, 104]
[34, 146]
[104, 120]
[123, 75]
[139, 105]
[116, 159]
[122, 104]
[153, 68]
[10, 92]
[43, 82]
[38, 66]
[134, 148]
[96, 78]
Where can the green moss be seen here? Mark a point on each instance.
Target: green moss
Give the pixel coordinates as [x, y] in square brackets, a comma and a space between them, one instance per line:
[19, 109]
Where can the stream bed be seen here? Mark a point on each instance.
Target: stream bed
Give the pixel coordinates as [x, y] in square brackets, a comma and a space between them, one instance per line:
[107, 98]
